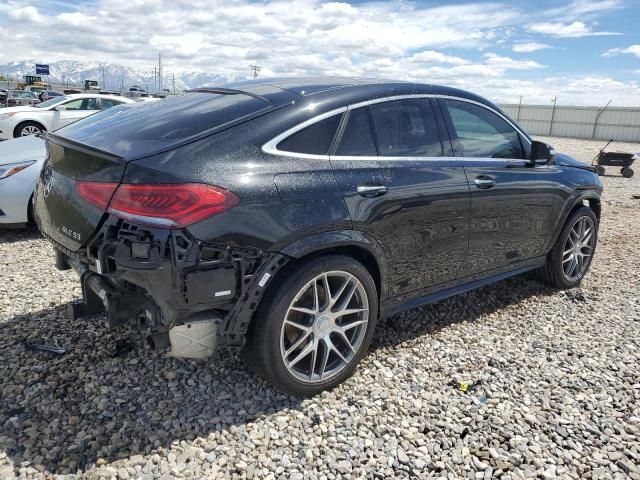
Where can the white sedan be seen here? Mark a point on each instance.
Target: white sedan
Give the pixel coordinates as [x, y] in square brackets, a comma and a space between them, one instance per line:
[21, 160]
[53, 114]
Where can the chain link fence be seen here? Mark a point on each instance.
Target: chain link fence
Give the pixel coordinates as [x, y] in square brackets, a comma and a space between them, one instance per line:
[600, 123]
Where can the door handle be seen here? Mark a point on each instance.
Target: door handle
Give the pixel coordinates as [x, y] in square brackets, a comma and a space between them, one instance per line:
[371, 190]
[484, 182]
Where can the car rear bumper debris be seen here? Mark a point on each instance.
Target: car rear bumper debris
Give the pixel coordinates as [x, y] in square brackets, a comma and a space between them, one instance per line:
[197, 296]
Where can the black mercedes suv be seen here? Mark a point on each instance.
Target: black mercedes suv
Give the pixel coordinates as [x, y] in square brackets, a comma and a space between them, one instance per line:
[280, 219]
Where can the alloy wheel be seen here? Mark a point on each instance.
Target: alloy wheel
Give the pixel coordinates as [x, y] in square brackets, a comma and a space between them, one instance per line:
[324, 327]
[578, 248]
[29, 130]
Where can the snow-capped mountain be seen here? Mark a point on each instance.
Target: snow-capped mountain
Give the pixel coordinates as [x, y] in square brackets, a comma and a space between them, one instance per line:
[115, 76]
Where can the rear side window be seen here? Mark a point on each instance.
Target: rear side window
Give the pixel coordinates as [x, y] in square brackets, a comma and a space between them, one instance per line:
[407, 128]
[108, 103]
[314, 139]
[357, 139]
[478, 132]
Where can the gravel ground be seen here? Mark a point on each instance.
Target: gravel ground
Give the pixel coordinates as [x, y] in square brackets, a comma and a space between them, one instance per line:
[554, 376]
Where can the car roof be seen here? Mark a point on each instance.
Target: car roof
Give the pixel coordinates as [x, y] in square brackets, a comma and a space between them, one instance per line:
[350, 89]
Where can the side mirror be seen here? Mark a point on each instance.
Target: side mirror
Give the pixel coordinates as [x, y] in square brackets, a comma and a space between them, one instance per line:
[61, 108]
[541, 153]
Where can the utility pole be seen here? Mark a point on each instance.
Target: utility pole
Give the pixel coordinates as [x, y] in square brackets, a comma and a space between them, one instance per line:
[104, 84]
[154, 79]
[173, 76]
[159, 71]
[255, 69]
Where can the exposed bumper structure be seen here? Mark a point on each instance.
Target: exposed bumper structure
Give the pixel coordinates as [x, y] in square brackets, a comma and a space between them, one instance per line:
[202, 296]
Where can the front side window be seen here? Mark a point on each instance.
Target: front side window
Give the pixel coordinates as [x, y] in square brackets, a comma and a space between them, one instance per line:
[478, 132]
[407, 128]
[82, 104]
[357, 139]
[313, 140]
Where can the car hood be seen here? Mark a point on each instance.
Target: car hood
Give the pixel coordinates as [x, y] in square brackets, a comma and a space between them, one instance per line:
[22, 148]
[15, 109]
[567, 161]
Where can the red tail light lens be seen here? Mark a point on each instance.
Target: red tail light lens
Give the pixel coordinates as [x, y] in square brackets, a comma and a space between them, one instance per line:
[167, 205]
[97, 194]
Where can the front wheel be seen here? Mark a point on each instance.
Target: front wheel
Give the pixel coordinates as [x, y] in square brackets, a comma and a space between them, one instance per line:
[314, 328]
[601, 170]
[28, 128]
[571, 256]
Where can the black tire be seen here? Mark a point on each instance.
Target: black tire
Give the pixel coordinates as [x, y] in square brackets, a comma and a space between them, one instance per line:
[552, 272]
[627, 172]
[262, 352]
[600, 170]
[18, 132]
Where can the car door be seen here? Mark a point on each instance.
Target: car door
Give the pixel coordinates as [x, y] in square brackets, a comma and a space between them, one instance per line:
[74, 110]
[401, 190]
[511, 198]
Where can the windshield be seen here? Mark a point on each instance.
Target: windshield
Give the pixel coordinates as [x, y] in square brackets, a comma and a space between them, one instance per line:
[51, 103]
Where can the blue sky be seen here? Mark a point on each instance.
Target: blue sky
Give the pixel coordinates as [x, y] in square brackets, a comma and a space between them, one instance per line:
[582, 51]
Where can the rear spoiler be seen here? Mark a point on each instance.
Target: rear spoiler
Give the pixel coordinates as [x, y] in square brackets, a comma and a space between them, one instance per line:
[228, 91]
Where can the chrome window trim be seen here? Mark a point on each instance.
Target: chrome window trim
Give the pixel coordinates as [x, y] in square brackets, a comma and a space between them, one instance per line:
[271, 146]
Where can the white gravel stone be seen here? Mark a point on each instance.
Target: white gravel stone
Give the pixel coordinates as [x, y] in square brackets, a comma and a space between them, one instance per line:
[558, 396]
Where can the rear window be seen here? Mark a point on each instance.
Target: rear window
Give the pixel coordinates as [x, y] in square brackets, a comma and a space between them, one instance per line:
[171, 119]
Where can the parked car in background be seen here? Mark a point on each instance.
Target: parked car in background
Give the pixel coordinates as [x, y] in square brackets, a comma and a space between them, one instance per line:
[49, 94]
[21, 160]
[53, 114]
[281, 219]
[21, 97]
[3, 97]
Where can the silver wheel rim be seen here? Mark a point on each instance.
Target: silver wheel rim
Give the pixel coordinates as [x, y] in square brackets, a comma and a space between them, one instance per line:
[324, 327]
[578, 249]
[29, 130]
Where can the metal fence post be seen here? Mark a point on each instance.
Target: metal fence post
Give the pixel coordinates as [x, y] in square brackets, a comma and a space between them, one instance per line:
[595, 122]
[519, 106]
[553, 113]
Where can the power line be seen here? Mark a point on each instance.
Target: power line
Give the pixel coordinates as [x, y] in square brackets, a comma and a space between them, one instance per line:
[255, 69]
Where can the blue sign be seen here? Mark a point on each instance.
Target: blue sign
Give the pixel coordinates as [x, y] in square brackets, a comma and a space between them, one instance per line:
[42, 69]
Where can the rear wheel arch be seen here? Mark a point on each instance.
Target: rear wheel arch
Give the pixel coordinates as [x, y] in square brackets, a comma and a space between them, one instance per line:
[352, 243]
[357, 252]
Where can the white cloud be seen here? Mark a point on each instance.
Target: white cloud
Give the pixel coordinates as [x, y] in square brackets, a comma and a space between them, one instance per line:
[431, 56]
[529, 47]
[633, 49]
[585, 8]
[572, 30]
[507, 63]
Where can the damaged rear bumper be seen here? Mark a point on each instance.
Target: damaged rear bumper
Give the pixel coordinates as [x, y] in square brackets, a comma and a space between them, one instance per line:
[164, 279]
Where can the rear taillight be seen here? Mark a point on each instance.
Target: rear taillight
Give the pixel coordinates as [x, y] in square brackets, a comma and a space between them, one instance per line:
[164, 206]
[97, 194]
